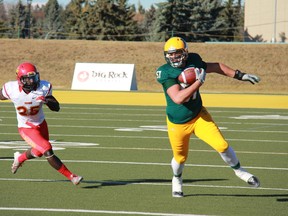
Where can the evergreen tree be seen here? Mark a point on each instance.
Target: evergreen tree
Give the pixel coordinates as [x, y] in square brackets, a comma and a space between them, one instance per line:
[172, 19]
[3, 13]
[194, 20]
[37, 22]
[28, 20]
[205, 18]
[73, 18]
[126, 27]
[100, 18]
[82, 22]
[139, 17]
[3, 19]
[232, 17]
[52, 21]
[16, 23]
[146, 26]
[111, 20]
[141, 9]
[239, 31]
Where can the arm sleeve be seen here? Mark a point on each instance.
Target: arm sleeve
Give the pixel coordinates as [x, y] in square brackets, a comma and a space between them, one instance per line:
[52, 103]
[168, 83]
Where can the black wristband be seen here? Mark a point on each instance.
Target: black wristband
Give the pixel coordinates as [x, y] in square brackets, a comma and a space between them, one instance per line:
[238, 75]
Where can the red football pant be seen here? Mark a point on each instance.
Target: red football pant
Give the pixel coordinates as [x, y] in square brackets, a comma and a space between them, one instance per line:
[37, 137]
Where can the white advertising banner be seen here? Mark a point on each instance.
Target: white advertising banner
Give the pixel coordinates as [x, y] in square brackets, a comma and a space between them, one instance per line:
[104, 76]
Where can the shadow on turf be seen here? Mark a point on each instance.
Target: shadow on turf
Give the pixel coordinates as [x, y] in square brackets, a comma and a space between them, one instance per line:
[137, 181]
[244, 195]
[5, 158]
[283, 200]
[155, 181]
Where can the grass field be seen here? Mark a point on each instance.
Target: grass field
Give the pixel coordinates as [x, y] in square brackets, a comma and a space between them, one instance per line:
[124, 155]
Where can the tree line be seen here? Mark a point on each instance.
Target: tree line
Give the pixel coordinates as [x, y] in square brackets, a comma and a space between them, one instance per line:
[116, 20]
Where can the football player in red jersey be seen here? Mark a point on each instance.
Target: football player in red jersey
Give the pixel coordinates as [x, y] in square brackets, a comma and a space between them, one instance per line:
[186, 114]
[28, 94]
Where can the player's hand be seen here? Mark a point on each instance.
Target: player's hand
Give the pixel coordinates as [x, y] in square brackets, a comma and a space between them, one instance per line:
[251, 78]
[246, 77]
[200, 74]
[41, 99]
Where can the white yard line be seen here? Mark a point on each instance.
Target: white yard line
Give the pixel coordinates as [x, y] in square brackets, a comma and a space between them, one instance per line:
[146, 137]
[94, 211]
[154, 164]
[144, 183]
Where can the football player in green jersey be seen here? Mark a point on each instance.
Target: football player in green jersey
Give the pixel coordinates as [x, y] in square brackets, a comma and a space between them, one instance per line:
[186, 114]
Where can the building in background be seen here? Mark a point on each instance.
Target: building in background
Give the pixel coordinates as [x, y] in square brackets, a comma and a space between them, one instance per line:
[267, 20]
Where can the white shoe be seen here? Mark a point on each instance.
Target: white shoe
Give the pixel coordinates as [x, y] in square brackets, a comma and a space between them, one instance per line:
[247, 177]
[16, 163]
[76, 179]
[177, 187]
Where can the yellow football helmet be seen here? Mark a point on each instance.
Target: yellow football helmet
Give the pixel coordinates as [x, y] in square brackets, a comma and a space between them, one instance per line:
[176, 52]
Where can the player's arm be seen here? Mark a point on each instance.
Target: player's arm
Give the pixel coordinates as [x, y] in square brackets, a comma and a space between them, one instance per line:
[179, 95]
[52, 103]
[2, 96]
[220, 69]
[227, 71]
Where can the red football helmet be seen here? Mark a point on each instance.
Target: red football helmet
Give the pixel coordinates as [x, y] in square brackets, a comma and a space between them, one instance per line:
[28, 76]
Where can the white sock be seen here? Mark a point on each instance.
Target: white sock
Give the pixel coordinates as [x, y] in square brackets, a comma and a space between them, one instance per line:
[229, 157]
[177, 168]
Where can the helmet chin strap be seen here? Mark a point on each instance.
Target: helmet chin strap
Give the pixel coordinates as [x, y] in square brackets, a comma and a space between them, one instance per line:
[178, 64]
[29, 88]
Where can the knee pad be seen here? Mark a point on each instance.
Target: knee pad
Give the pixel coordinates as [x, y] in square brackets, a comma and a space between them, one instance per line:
[181, 159]
[49, 153]
[35, 153]
[222, 147]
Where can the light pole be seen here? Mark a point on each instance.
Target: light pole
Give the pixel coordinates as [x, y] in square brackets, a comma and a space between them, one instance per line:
[29, 2]
[275, 21]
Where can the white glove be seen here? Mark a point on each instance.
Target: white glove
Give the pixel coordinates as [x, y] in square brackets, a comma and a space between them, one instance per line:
[251, 78]
[200, 74]
[246, 77]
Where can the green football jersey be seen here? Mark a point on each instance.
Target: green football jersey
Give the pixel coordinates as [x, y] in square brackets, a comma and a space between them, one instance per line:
[168, 76]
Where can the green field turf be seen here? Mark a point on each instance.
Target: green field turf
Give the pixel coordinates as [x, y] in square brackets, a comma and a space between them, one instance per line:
[124, 155]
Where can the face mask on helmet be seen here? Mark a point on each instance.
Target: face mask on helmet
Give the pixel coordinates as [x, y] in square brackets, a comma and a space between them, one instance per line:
[28, 76]
[30, 82]
[176, 52]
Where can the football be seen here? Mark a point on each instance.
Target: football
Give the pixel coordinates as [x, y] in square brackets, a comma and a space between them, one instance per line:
[188, 76]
